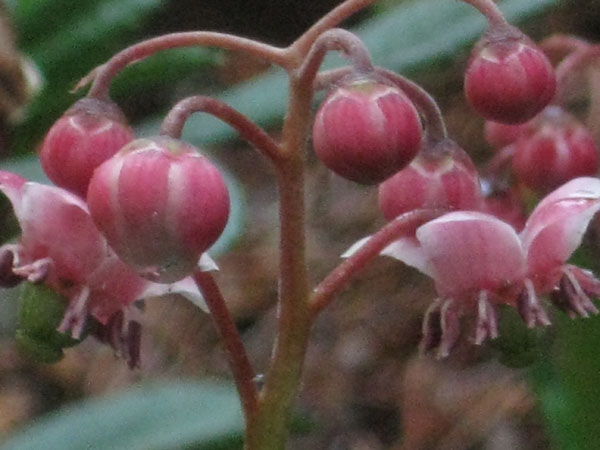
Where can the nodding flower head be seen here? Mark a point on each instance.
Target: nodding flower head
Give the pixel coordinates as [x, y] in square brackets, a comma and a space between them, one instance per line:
[160, 204]
[555, 149]
[479, 262]
[366, 131]
[89, 133]
[508, 79]
[61, 248]
[439, 177]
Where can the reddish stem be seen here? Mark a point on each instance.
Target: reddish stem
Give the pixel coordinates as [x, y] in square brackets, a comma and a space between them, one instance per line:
[328, 77]
[436, 130]
[490, 10]
[563, 44]
[337, 280]
[570, 65]
[241, 368]
[104, 74]
[336, 39]
[175, 120]
[499, 162]
[330, 20]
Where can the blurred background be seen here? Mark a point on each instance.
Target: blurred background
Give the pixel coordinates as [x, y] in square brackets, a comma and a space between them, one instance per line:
[365, 386]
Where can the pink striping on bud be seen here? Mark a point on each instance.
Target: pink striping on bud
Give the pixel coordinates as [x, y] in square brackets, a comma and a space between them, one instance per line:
[441, 177]
[499, 135]
[557, 149]
[89, 133]
[160, 205]
[508, 78]
[365, 131]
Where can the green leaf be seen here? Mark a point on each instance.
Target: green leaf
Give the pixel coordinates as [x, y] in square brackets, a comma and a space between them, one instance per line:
[567, 386]
[162, 69]
[76, 45]
[69, 51]
[37, 19]
[40, 313]
[409, 38]
[151, 417]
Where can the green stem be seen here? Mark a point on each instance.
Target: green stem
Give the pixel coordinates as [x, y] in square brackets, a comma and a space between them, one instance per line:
[271, 427]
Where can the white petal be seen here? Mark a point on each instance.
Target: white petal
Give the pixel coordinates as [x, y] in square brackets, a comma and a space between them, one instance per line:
[207, 264]
[355, 247]
[186, 288]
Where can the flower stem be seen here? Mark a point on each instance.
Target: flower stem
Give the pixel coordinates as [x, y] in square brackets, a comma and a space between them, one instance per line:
[175, 120]
[330, 20]
[436, 130]
[104, 74]
[402, 226]
[283, 377]
[490, 10]
[241, 368]
[336, 39]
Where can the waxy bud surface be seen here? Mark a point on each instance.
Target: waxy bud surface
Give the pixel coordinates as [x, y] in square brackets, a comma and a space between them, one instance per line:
[89, 133]
[558, 149]
[443, 177]
[160, 205]
[499, 135]
[366, 131]
[508, 78]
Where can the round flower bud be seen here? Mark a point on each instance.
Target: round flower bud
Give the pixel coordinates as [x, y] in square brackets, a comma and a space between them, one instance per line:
[556, 150]
[441, 177]
[499, 135]
[160, 204]
[508, 78]
[366, 131]
[89, 133]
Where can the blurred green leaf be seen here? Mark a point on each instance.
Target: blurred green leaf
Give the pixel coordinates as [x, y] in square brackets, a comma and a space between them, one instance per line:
[567, 384]
[68, 51]
[77, 45]
[162, 69]
[408, 38]
[40, 313]
[37, 19]
[152, 417]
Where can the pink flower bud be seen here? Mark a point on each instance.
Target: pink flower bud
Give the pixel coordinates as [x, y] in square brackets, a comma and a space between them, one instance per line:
[558, 149]
[89, 133]
[506, 204]
[508, 78]
[500, 135]
[365, 131]
[444, 177]
[160, 204]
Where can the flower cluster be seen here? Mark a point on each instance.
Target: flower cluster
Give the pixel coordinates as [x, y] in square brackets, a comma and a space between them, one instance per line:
[131, 219]
[482, 251]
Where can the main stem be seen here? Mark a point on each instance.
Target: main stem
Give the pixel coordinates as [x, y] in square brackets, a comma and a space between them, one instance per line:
[271, 427]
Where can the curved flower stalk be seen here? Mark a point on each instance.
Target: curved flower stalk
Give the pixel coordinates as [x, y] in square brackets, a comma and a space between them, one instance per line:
[479, 262]
[61, 247]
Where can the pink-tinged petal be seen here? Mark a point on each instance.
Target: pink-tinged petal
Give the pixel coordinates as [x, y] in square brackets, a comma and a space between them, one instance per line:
[410, 252]
[11, 185]
[470, 251]
[56, 224]
[113, 286]
[407, 250]
[185, 287]
[207, 264]
[556, 227]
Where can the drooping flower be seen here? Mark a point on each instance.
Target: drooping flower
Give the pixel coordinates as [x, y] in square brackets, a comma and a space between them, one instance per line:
[508, 78]
[61, 247]
[478, 262]
[88, 134]
[366, 131]
[161, 204]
